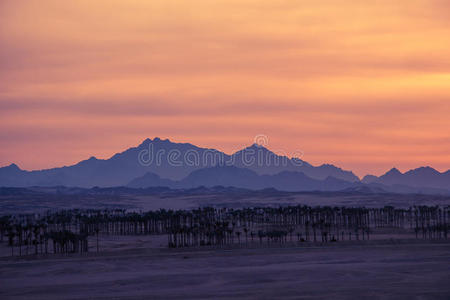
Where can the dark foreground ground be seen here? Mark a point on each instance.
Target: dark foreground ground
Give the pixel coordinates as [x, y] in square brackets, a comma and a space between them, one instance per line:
[385, 271]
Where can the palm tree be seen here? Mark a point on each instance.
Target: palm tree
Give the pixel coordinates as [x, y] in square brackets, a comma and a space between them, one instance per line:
[238, 234]
[97, 230]
[11, 235]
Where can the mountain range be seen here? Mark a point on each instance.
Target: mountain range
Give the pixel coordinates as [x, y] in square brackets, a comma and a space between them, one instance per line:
[230, 176]
[420, 177]
[160, 162]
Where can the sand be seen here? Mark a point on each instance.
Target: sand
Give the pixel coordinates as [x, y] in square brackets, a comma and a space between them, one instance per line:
[417, 270]
[43, 201]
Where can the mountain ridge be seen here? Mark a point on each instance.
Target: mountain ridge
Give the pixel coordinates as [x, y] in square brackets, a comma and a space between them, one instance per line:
[426, 177]
[178, 161]
[289, 181]
[231, 176]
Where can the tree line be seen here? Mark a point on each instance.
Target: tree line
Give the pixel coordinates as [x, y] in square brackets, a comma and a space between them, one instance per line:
[68, 231]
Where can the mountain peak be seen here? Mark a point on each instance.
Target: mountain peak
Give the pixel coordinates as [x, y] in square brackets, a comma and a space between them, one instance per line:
[257, 146]
[155, 140]
[254, 147]
[427, 169]
[13, 166]
[369, 178]
[160, 140]
[393, 171]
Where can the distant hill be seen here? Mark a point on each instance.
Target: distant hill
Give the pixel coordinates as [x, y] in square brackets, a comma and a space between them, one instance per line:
[230, 176]
[166, 159]
[423, 177]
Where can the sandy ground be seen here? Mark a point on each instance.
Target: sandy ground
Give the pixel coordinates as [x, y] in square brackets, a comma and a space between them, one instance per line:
[112, 243]
[40, 203]
[336, 271]
[392, 265]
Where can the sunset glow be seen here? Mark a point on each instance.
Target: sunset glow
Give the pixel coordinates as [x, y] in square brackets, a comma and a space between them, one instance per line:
[363, 86]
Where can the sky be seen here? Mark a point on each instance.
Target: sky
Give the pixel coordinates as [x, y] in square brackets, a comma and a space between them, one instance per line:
[364, 85]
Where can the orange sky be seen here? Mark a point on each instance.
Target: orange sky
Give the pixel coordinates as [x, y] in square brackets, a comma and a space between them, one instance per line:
[365, 86]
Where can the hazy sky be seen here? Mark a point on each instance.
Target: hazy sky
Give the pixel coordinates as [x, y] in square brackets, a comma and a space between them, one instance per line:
[364, 85]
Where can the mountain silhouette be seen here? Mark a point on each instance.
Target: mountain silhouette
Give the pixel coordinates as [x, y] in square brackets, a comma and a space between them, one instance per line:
[425, 177]
[230, 176]
[166, 159]
[150, 179]
[160, 162]
[263, 161]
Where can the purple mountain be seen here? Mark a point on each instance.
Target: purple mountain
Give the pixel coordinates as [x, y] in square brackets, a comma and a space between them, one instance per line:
[426, 177]
[166, 159]
[263, 161]
[230, 176]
